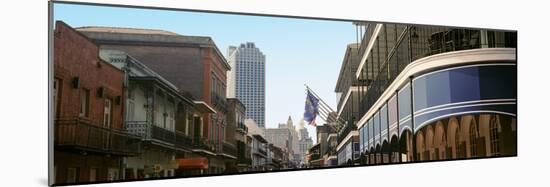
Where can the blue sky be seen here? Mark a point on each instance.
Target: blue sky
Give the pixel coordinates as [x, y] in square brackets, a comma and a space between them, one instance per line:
[298, 51]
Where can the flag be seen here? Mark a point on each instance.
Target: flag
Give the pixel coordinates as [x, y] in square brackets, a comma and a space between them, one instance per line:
[311, 108]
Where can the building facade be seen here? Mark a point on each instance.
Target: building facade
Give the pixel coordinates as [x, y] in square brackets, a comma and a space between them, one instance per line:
[347, 92]
[246, 79]
[259, 145]
[415, 105]
[281, 137]
[323, 153]
[157, 112]
[88, 95]
[191, 63]
[296, 157]
[305, 142]
[235, 135]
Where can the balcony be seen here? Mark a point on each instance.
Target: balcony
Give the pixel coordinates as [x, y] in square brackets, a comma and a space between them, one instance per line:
[242, 128]
[330, 151]
[315, 152]
[344, 131]
[150, 132]
[203, 144]
[421, 41]
[262, 151]
[183, 140]
[369, 30]
[85, 135]
[229, 149]
[243, 153]
[315, 156]
[219, 102]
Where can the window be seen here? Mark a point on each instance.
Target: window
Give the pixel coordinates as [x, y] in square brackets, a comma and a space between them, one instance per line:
[131, 110]
[72, 174]
[473, 139]
[404, 106]
[56, 89]
[93, 174]
[495, 139]
[171, 120]
[107, 113]
[84, 102]
[158, 119]
[188, 124]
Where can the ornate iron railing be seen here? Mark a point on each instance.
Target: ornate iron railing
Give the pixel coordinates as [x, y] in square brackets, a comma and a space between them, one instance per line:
[84, 134]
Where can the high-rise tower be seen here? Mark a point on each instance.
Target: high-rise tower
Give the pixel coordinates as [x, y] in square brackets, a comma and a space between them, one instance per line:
[246, 80]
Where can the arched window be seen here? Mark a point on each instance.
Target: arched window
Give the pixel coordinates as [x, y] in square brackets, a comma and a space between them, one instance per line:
[495, 139]
[473, 139]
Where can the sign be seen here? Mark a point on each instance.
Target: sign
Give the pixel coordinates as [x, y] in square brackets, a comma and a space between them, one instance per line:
[157, 168]
[173, 164]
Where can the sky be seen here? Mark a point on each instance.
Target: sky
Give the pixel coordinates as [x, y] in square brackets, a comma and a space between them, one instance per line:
[298, 51]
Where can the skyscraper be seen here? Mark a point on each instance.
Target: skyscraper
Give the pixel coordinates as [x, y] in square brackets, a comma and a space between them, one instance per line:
[246, 80]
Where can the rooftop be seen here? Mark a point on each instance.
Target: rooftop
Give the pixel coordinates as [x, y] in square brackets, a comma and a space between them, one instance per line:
[150, 36]
[125, 30]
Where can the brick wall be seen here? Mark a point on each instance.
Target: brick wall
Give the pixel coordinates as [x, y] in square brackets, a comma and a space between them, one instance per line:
[76, 56]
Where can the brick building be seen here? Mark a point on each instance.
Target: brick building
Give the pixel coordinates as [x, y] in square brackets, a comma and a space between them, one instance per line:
[88, 111]
[192, 63]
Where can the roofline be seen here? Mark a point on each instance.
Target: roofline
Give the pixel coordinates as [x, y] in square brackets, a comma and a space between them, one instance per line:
[104, 41]
[89, 40]
[205, 104]
[164, 84]
[238, 101]
[349, 48]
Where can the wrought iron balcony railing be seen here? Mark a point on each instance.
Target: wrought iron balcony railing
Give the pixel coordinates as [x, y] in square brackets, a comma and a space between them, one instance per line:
[421, 41]
[85, 135]
[148, 131]
[366, 37]
[219, 102]
[262, 151]
[203, 144]
[242, 127]
[344, 131]
[229, 149]
[246, 161]
[183, 140]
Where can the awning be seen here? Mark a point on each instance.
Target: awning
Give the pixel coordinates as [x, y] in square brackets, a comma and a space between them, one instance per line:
[203, 107]
[193, 163]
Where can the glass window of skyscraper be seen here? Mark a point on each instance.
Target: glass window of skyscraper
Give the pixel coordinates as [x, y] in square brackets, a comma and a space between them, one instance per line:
[248, 81]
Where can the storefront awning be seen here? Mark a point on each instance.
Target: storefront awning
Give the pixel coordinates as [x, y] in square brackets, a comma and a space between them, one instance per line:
[193, 163]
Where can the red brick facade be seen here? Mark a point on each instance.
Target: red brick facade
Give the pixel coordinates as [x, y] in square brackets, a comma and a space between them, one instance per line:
[76, 56]
[82, 142]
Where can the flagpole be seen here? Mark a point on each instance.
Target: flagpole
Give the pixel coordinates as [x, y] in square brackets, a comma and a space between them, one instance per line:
[315, 94]
[324, 111]
[322, 102]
